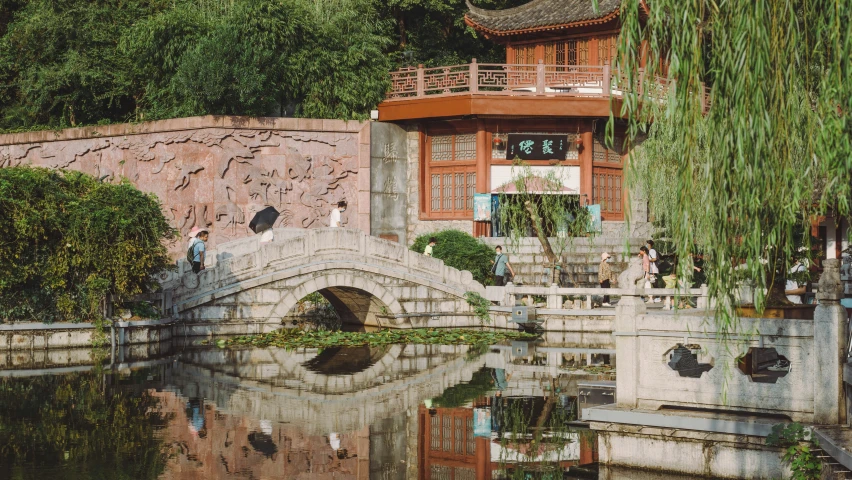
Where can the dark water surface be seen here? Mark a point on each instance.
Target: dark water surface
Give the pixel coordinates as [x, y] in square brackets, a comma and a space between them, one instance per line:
[398, 412]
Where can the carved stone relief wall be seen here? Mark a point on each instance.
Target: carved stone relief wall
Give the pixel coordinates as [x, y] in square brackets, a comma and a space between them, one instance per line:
[216, 172]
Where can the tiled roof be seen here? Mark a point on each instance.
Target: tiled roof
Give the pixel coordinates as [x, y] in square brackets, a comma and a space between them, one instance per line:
[540, 15]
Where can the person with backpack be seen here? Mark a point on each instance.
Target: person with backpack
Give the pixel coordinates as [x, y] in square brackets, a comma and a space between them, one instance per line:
[197, 248]
[499, 267]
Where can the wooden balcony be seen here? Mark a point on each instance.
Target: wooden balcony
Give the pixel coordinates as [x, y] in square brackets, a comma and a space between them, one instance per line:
[505, 89]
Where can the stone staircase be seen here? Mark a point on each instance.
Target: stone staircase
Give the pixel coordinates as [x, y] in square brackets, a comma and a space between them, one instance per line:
[581, 258]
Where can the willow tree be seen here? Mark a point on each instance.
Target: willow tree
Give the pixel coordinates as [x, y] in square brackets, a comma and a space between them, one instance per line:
[769, 149]
[534, 204]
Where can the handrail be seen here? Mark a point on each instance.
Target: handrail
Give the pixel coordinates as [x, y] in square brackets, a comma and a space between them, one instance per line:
[597, 81]
[554, 295]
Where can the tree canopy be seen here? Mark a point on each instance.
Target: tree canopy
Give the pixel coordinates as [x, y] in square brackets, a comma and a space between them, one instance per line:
[773, 152]
[70, 240]
[65, 63]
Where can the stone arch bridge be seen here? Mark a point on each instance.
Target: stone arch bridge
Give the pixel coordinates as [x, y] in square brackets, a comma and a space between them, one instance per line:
[250, 287]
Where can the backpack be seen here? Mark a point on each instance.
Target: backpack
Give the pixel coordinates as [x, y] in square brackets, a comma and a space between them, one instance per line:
[190, 252]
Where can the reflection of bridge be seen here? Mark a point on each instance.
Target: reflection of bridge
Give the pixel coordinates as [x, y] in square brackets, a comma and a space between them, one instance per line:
[368, 280]
[274, 384]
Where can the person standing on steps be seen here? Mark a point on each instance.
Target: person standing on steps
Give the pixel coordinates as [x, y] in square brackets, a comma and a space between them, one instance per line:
[197, 248]
[605, 277]
[646, 269]
[334, 220]
[654, 269]
[499, 267]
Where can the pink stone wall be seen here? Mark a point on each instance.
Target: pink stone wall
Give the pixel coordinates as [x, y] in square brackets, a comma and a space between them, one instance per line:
[216, 171]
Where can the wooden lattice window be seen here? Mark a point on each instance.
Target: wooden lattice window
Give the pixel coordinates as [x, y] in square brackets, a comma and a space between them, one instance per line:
[607, 185]
[442, 148]
[607, 49]
[453, 147]
[583, 52]
[525, 54]
[451, 175]
[550, 54]
[452, 192]
[435, 434]
[465, 147]
[571, 52]
[471, 187]
[601, 153]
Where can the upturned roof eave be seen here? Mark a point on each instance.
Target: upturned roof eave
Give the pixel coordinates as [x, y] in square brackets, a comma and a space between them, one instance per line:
[543, 28]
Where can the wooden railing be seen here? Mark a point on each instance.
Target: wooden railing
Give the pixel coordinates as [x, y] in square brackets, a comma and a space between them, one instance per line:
[597, 81]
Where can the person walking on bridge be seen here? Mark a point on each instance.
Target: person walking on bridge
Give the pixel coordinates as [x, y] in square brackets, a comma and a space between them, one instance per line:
[197, 248]
[501, 264]
[605, 277]
[335, 219]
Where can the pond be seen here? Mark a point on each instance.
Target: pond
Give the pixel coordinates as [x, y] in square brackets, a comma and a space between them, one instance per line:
[392, 412]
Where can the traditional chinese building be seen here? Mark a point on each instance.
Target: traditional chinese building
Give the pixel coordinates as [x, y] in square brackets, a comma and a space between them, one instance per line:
[547, 105]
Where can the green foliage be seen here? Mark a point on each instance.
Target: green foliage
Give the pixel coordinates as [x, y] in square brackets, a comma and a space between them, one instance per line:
[463, 393]
[79, 427]
[62, 65]
[537, 210]
[799, 444]
[773, 151]
[143, 310]
[433, 32]
[295, 338]
[480, 305]
[460, 250]
[70, 241]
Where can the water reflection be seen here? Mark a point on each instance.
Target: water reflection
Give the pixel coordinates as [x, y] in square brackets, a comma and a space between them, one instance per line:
[398, 412]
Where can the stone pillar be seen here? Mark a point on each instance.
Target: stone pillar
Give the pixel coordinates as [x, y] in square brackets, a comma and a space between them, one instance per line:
[830, 334]
[554, 300]
[627, 312]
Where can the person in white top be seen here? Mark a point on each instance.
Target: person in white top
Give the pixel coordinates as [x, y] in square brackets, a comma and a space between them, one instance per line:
[793, 289]
[653, 270]
[334, 221]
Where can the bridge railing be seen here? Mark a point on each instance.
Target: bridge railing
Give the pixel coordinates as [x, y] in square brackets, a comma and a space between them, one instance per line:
[555, 296]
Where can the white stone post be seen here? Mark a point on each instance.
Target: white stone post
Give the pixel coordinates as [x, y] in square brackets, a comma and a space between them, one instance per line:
[554, 300]
[830, 334]
[703, 302]
[627, 312]
[509, 295]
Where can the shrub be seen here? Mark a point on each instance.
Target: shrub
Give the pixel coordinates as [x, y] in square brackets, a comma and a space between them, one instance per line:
[69, 241]
[460, 250]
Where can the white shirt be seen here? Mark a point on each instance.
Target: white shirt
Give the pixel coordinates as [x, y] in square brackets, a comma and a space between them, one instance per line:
[334, 441]
[792, 284]
[335, 218]
[653, 254]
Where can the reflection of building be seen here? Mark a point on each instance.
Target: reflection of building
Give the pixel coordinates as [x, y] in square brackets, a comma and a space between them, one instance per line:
[448, 450]
[237, 444]
[548, 105]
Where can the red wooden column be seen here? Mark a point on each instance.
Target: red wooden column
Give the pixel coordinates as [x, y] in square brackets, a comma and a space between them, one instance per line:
[483, 159]
[585, 157]
[483, 458]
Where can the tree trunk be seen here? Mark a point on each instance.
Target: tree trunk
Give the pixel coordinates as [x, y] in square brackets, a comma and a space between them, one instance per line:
[542, 238]
[400, 22]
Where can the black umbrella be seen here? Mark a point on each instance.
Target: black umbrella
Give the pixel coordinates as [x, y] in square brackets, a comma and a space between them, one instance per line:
[263, 220]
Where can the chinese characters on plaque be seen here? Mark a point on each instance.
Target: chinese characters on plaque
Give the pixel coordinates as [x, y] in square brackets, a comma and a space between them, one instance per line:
[532, 146]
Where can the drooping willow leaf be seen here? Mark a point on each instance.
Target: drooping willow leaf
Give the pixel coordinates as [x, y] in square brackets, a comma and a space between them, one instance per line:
[743, 180]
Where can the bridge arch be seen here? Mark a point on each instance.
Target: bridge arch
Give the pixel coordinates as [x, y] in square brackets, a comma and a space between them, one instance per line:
[357, 298]
[249, 286]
